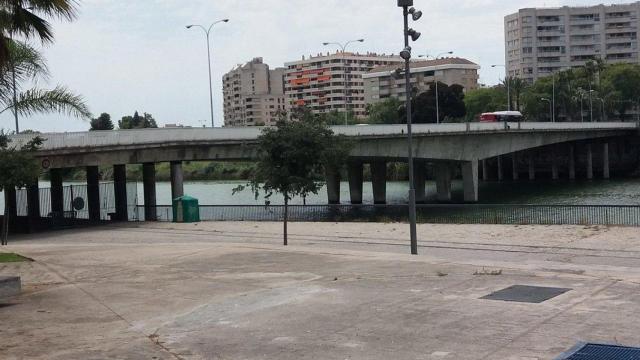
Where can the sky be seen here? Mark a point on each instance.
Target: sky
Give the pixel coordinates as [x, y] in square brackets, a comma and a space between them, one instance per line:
[125, 56]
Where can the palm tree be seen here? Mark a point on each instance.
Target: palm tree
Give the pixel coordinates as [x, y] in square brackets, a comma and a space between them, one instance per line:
[28, 19]
[28, 65]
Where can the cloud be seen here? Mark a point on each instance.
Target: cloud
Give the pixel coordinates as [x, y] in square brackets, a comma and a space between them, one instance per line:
[125, 56]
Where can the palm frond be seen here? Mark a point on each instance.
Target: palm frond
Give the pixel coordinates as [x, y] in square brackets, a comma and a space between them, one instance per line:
[58, 100]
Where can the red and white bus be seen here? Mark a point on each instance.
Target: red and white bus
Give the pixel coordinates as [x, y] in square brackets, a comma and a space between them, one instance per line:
[500, 116]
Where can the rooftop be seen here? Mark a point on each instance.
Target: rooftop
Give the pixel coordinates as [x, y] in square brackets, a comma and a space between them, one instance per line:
[426, 64]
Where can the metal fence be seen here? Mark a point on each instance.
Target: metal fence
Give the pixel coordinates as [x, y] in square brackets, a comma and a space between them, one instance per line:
[430, 214]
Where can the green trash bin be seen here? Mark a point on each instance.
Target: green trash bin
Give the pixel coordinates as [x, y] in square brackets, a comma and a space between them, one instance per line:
[186, 210]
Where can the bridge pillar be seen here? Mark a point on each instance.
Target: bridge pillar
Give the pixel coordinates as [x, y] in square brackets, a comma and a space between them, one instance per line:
[606, 171]
[355, 171]
[532, 168]
[572, 162]
[485, 171]
[443, 182]
[516, 171]
[149, 188]
[420, 180]
[589, 162]
[33, 205]
[379, 182]
[177, 180]
[57, 193]
[470, 179]
[120, 192]
[500, 172]
[93, 192]
[333, 185]
[555, 174]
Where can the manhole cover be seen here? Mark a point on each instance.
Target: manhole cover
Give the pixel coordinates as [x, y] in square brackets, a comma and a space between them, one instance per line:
[526, 294]
[601, 352]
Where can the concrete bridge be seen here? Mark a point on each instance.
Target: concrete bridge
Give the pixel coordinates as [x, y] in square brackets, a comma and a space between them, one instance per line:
[451, 148]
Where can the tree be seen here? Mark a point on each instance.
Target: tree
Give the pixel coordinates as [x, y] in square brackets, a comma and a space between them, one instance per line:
[29, 19]
[137, 122]
[484, 100]
[17, 169]
[102, 122]
[622, 83]
[387, 111]
[29, 65]
[290, 155]
[337, 118]
[451, 104]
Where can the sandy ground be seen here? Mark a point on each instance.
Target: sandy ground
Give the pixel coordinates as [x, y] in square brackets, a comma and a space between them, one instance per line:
[340, 291]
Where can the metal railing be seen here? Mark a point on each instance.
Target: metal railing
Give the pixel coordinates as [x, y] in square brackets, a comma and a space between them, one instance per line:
[431, 214]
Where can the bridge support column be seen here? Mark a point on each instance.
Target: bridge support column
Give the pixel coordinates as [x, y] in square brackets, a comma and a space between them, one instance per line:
[589, 162]
[606, 171]
[470, 179]
[355, 182]
[500, 172]
[516, 171]
[420, 180]
[149, 185]
[555, 174]
[93, 193]
[532, 168]
[443, 182]
[177, 180]
[485, 171]
[57, 193]
[379, 182]
[120, 192]
[33, 205]
[333, 185]
[572, 162]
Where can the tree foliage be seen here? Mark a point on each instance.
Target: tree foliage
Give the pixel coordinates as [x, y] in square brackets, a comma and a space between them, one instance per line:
[387, 111]
[102, 122]
[291, 155]
[484, 100]
[17, 169]
[137, 122]
[450, 102]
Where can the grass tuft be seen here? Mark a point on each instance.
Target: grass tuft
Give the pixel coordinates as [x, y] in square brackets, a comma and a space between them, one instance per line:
[12, 258]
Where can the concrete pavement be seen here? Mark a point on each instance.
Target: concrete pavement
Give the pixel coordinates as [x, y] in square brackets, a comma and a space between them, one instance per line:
[341, 291]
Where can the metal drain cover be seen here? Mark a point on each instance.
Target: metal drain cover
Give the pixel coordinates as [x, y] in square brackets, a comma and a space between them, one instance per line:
[601, 352]
[526, 294]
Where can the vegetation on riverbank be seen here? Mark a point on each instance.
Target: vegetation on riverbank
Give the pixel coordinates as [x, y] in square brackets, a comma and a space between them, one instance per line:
[12, 258]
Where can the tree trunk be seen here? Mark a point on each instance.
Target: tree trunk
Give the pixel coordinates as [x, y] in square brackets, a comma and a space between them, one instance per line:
[5, 222]
[286, 218]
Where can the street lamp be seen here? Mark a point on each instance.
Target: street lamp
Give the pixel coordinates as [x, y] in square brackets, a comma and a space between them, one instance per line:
[207, 32]
[508, 81]
[550, 107]
[435, 78]
[346, 86]
[408, 9]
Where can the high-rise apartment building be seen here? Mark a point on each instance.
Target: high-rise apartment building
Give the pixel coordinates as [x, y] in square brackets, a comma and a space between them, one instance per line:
[253, 94]
[383, 82]
[542, 41]
[325, 83]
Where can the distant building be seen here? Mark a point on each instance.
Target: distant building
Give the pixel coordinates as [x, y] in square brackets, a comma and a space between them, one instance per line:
[542, 41]
[383, 82]
[253, 94]
[319, 82]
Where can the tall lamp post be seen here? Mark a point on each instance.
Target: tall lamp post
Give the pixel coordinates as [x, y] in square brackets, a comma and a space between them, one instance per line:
[508, 81]
[406, 55]
[550, 108]
[343, 47]
[436, 81]
[207, 32]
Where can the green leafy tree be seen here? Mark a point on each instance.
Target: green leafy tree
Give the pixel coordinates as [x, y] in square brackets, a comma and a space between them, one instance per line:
[622, 83]
[387, 111]
[17, 169]
[451, 104]
[291, 155]
[337, 118]
[137, 122]
[484, 100]
[29, 65]
[30, 19]
[102, 122]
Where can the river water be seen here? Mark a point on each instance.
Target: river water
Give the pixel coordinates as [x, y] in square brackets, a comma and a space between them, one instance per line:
[597, 192]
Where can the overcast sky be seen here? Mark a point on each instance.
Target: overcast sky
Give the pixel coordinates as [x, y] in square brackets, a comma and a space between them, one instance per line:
[125, 55]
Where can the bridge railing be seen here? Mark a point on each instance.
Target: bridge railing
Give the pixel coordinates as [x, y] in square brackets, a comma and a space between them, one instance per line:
[430, 214]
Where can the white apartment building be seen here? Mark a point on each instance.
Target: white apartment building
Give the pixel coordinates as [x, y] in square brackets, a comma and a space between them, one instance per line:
[542, 41]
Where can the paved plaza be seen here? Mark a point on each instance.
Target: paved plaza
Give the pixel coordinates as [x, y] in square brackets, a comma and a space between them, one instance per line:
[340, 291]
